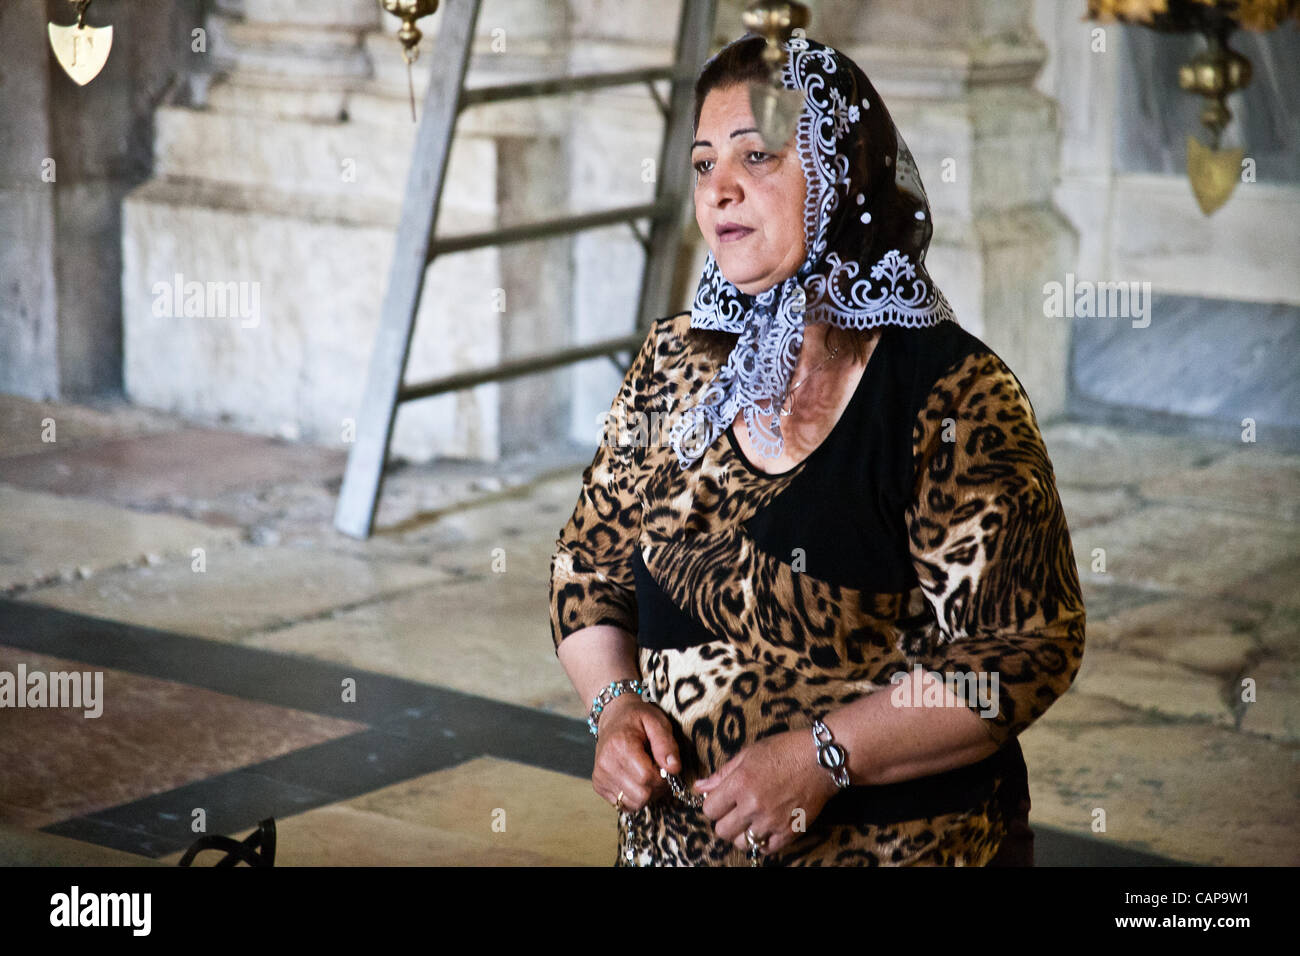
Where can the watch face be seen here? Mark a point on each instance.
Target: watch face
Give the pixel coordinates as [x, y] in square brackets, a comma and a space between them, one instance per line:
[831, 756]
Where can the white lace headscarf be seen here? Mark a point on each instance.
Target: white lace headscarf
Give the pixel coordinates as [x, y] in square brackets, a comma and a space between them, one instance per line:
[865, 211]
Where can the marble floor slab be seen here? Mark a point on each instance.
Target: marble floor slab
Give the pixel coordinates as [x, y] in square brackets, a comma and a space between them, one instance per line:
[488, 636]
[47, 538]
[239, 590]
[1183, 549]
[486, 812]
[151, 735]
[1189, 791]
[167, 466]
[29, 427]
[1252, 481]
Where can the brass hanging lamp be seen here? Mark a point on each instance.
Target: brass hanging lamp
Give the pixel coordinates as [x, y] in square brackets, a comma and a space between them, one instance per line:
[409, 34]
[1214, 73]
[776, 109]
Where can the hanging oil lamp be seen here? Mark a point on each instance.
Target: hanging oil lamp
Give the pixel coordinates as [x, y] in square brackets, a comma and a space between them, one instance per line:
[1214, 73]
[776, 109]
[409, 34]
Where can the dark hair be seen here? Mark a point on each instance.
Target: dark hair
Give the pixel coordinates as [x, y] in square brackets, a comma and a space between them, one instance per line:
[739, 62]
[742, 62]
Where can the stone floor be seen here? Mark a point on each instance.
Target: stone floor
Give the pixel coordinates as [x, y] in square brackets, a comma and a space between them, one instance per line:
[199, 571]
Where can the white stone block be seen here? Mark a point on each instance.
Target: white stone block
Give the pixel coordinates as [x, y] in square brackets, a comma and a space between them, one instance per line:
[299, 365]
[360, 14]
[352, 160]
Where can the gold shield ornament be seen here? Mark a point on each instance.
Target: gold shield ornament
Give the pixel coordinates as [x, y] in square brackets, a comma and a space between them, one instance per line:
[82, 51]
[1214, 173]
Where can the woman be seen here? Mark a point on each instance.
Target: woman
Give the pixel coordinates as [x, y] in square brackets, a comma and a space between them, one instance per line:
[776, 611]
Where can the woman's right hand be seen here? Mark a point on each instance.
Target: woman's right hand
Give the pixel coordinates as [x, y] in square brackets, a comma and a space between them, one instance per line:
[628, 727]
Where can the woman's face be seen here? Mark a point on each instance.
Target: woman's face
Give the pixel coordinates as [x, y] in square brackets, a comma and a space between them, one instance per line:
[739, 183]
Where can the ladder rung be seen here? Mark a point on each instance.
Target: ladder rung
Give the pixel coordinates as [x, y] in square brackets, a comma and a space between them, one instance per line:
[548, 86]
[518, 367]
[547, 227]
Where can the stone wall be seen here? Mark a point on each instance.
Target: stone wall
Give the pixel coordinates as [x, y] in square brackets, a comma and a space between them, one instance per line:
[275, 159]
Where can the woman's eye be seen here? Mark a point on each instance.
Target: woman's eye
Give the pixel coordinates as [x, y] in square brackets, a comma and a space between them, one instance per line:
[755, 156]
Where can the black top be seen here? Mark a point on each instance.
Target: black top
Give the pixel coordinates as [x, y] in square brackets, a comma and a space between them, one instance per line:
[845, 507]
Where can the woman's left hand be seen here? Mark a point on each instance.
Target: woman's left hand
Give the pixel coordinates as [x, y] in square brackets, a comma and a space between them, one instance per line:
[763, 786]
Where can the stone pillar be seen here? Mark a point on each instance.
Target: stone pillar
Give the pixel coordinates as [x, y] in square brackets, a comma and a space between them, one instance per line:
[68, 154]
[957, 76]
[284, 186]
[28, 295]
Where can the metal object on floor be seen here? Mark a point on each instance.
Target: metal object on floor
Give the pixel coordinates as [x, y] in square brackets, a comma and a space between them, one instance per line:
[257, 849]
[416, 246]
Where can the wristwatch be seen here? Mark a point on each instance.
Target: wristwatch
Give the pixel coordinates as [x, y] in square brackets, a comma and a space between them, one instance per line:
[830, 754]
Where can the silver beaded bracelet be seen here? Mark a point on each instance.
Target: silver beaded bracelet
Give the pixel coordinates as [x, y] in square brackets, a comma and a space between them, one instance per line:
[830, 754]
[615, 689]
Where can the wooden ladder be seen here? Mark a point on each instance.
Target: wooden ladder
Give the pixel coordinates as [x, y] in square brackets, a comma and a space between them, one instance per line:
[416, 246]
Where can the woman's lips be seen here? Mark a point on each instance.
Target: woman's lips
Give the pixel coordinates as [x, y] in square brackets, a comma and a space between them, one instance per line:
[732, 233]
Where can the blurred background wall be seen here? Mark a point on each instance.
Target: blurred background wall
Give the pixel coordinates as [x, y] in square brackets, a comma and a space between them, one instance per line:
[262, 145]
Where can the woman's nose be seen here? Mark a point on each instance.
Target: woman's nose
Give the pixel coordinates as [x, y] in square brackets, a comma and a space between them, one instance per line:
[724, 185]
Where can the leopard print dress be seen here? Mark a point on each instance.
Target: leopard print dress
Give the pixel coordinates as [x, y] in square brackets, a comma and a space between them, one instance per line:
[925, 530]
